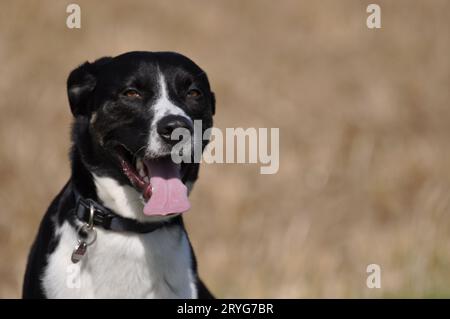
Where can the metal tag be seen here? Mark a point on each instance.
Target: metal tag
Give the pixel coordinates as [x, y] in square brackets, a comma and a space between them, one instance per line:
[87, 236]
[79, 252]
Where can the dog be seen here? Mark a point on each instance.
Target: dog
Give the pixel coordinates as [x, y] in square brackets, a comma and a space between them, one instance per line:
[115, 230]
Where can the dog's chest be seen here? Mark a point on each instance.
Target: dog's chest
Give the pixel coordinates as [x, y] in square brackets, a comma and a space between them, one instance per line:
[154, 265]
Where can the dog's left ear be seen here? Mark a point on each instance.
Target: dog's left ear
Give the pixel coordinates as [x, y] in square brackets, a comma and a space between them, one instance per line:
[81, 83]
[213, 103]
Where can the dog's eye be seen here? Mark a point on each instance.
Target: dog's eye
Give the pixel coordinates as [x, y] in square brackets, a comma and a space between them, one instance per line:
[131, 93]
[193, 93]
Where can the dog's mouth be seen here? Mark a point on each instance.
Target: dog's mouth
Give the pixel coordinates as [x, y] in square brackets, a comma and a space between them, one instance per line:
[157, 179]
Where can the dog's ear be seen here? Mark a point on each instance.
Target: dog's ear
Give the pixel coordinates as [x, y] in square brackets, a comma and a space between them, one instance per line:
[81, 83]
[213, 103]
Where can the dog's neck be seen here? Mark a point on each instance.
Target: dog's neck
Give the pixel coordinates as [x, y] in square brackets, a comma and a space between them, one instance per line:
[122, 199]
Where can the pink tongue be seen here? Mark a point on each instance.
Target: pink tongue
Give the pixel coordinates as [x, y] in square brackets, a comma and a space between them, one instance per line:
[169, 195]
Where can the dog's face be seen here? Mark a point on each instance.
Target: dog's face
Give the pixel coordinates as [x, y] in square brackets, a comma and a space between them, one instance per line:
[127, 107]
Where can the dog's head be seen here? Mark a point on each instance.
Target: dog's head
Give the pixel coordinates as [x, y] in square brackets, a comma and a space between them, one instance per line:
[126, 109]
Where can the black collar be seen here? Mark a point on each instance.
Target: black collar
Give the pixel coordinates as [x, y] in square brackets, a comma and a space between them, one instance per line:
[107, 219]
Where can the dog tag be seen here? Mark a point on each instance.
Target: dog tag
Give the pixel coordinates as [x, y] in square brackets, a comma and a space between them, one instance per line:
[79, 252]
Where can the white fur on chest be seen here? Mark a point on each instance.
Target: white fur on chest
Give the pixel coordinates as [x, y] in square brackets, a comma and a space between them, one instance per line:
[122, 265]
[154, 265]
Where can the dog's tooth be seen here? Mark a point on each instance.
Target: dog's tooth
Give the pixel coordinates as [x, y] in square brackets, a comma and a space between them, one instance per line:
[146, 179]
[139, 165]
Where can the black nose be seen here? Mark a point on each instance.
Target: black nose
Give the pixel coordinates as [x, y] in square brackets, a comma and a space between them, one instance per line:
[169, 123]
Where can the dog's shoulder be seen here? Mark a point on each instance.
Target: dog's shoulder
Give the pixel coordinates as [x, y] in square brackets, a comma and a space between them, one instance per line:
[43, 245]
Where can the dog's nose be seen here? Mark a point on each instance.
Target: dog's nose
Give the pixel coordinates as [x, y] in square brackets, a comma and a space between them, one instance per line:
[169, 123]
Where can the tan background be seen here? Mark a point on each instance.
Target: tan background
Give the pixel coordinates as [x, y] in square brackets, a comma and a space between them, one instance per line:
[364, 122]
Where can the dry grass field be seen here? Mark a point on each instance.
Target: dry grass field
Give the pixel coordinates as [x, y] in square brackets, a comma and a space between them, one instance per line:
[364, 118]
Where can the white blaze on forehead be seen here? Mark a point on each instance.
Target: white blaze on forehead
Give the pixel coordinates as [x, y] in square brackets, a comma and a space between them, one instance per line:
[162, 107]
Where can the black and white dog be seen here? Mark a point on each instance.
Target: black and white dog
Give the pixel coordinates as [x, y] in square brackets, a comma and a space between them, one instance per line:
[115, 230]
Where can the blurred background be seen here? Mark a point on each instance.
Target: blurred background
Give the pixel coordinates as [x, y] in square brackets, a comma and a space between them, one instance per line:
[364, 136]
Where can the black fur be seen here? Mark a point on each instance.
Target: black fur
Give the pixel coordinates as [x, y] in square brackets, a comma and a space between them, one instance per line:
[103, 117]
